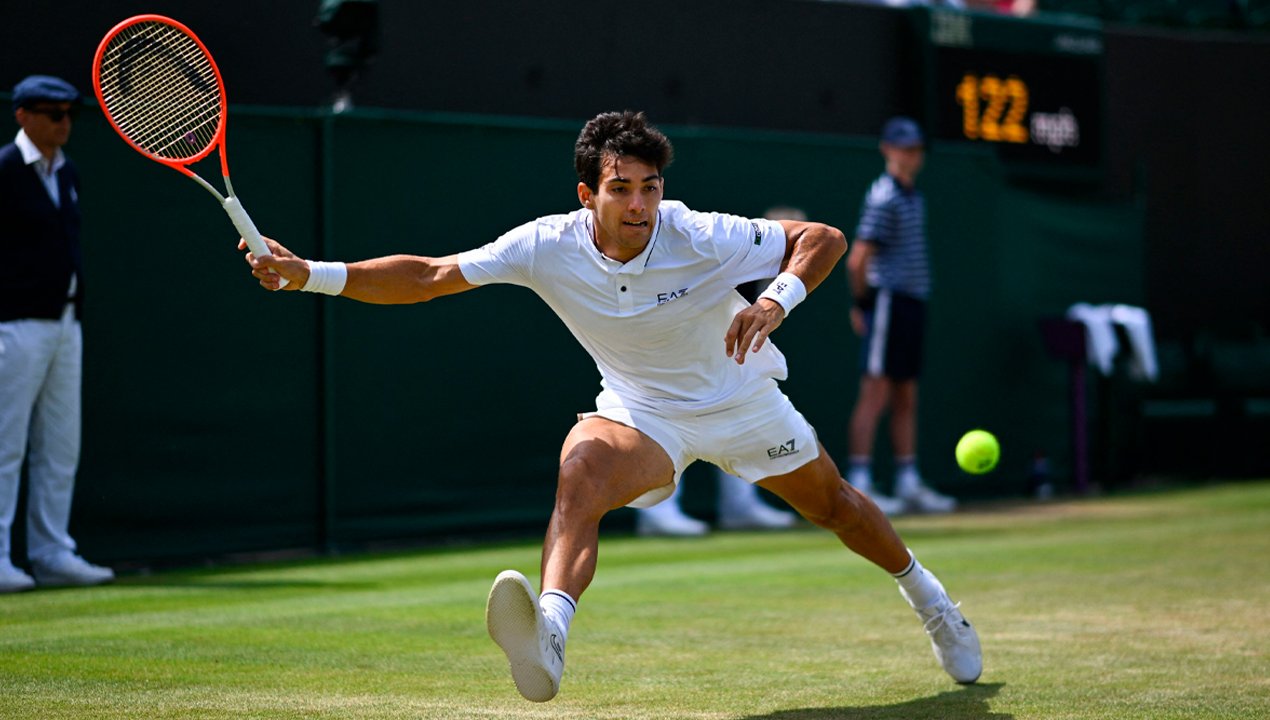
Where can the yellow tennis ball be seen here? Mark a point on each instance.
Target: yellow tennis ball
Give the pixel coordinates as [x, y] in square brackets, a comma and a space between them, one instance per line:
[978, 452]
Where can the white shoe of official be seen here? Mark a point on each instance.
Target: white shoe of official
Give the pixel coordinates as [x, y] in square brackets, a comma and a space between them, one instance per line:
[658, 521]
[954, 640]
[14, 580]
[533, 644]
[921, 498]
[889, 506]
[861, 480]
[67, 568]
[757, 516]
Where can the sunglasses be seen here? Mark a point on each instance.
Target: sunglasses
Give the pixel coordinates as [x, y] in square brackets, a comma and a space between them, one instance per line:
[54, 114]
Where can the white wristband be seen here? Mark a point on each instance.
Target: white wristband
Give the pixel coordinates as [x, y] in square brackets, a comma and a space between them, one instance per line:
[787, 290]
[327, 278]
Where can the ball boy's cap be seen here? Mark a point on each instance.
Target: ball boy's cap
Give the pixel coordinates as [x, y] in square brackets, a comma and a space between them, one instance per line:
[902, 132]
[43, 87]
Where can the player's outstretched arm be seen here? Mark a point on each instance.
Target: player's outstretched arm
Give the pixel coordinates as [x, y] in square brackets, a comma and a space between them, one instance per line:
[390, 280]
[404, 279]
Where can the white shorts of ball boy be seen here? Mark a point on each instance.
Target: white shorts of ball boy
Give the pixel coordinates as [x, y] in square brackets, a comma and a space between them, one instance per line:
[761, 436]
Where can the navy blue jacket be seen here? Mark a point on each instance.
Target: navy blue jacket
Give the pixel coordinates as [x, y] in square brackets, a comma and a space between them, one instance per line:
[39, 243]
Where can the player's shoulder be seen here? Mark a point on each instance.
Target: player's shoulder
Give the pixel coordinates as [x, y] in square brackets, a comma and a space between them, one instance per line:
[675, 215]
[548, 228]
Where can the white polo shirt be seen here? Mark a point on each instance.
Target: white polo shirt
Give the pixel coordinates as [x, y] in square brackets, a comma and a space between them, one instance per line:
[46, 169]
[653, 325]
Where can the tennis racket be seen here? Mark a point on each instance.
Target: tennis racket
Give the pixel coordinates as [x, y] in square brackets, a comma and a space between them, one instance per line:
[162, 92]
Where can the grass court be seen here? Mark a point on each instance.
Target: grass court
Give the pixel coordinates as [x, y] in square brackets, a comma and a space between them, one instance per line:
[1146, 605]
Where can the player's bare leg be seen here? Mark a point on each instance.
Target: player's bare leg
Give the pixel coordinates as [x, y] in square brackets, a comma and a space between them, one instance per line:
[819, 493]
[604, 465]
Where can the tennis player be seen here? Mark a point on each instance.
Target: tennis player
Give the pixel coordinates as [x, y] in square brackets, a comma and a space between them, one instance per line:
[687, 373]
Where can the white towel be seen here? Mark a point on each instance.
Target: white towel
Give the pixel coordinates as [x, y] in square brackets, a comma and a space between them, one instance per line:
[1100, 336]
[1137, 325]
[1099, 321]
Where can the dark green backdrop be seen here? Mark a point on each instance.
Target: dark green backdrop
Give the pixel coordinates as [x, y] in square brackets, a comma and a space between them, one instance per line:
[220, 418]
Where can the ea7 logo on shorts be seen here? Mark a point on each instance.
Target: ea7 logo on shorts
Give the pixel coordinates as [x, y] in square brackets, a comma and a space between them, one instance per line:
[663, 298]
[782, 450]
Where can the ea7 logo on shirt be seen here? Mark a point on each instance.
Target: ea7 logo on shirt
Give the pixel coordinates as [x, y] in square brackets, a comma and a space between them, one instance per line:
[663, 298]
[783, 450]
[758, 234]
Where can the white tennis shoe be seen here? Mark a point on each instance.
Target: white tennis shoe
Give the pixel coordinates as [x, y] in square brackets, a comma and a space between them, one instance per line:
[954, 640]
[69, 569]
[757, 516]
[861, 480]
[533, 644]
[890, 507]
[13, 579]
[668, 522]
[921, 498]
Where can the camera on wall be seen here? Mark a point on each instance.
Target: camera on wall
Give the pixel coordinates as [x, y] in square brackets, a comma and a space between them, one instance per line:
[352, 30]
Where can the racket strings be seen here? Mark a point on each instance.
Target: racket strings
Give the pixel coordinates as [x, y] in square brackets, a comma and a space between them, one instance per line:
[161, 90]
[164, 83]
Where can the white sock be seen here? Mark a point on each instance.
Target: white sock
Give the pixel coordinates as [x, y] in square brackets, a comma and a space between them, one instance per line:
[557, 605]
[859, 474]
[918, 586]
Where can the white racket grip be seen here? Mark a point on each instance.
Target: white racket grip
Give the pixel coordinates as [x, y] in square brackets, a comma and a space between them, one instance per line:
[247, 229]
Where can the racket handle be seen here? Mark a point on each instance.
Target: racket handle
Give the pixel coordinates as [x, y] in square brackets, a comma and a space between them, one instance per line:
[247, 229]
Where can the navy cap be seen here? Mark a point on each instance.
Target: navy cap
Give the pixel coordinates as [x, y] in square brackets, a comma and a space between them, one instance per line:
[43, 87]
[902, 132]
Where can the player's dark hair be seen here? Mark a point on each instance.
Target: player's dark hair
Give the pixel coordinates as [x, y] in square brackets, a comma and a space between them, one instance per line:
[618, 134]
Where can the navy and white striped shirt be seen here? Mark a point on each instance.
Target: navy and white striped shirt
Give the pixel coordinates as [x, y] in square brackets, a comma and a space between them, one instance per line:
[893, 218]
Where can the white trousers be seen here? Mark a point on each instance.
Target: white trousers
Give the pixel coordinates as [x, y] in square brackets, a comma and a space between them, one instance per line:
[40, 379]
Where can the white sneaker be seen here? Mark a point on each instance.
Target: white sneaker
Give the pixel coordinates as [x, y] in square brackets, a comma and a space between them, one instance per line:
[922, 499]
[533, 644]
[14, 580]
[69, 569]
[862, 481]
[954, 640]
[651, 522]
[757, 516]
[888, 505]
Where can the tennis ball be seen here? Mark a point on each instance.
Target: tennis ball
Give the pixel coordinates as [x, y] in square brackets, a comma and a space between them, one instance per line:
[978, 452]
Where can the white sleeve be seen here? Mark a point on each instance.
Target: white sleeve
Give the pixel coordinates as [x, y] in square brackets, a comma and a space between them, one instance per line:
[748, 249]
[509, 259]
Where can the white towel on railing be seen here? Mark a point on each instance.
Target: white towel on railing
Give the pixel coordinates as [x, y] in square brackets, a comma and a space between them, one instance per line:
[1099, 322]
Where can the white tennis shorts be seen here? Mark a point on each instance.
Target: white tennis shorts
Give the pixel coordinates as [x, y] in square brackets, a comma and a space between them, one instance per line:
[758, 438]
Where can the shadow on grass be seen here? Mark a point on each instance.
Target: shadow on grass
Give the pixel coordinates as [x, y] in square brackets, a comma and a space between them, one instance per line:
[967, 703]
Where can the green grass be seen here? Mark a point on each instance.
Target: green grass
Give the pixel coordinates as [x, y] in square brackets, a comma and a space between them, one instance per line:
[1143, 606]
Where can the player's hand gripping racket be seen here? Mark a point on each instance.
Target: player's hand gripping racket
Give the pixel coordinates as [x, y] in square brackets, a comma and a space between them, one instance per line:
[163, 93]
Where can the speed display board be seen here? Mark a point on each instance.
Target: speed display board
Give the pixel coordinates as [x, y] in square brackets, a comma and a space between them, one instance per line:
[1031, 89]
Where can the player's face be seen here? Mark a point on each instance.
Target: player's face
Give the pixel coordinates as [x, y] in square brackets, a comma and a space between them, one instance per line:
[38, 123]
[624, 206]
